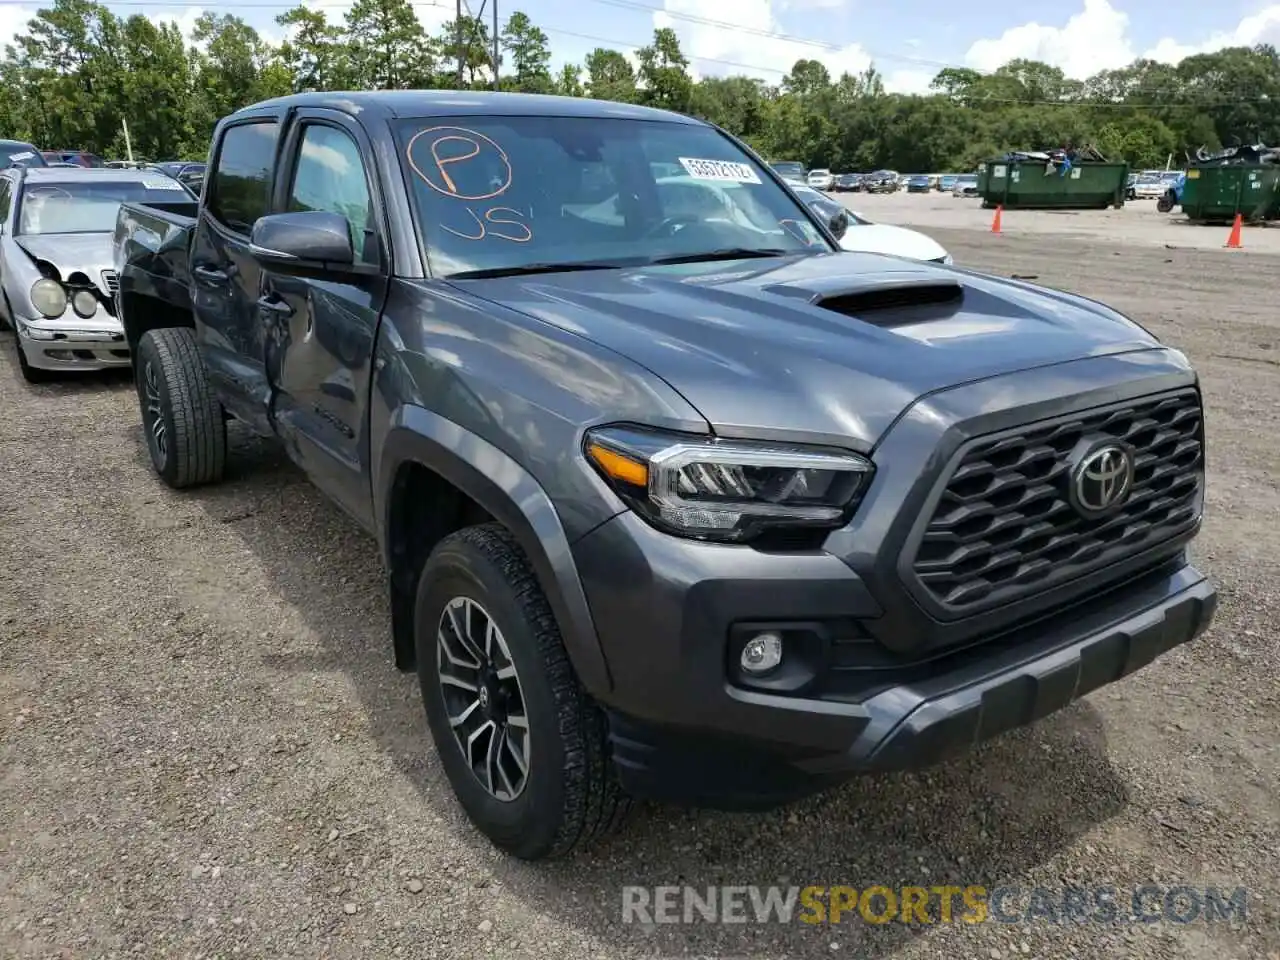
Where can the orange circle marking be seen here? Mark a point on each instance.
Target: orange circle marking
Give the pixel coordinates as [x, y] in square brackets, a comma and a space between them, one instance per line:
[443, 183]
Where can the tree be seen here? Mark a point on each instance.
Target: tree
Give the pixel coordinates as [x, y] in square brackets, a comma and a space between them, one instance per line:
[610, 76]
[569, 82]
[473, 47]
[387, 48]
[664, 72]
[314, 52]
[529, 53]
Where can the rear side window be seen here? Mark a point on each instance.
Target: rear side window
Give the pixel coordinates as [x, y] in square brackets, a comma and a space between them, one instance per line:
[241, 182]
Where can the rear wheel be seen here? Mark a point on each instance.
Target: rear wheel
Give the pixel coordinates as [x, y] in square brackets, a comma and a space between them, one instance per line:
[524, 748]
[185, 430]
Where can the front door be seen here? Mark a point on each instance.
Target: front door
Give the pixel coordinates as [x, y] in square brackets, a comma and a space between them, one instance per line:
[322, 324]
[225, 277]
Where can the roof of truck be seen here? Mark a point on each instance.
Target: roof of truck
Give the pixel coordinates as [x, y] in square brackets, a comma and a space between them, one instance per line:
[444, 103]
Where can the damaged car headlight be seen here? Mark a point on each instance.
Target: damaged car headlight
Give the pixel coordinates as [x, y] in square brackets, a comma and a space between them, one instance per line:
[84, 303]
[49, 297]
[727, 490]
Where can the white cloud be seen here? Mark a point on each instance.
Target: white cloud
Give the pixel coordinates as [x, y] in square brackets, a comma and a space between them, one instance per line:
[750, 49]
[13, 23]
[1097, 38]
[1093, 39]
[1261, 27]
[184, 19]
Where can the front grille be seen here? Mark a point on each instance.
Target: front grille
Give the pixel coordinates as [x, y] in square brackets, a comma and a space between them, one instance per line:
[1004, 529]
[110, 281]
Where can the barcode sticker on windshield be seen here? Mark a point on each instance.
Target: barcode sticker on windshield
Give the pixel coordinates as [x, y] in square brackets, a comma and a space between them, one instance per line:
[719, 170]
[24, 155]
[161, 183]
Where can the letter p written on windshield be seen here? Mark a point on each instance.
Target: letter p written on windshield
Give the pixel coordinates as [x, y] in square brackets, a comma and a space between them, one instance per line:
[466, 166]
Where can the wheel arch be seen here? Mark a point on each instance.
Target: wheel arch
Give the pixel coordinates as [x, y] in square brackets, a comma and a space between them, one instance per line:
[421, 447]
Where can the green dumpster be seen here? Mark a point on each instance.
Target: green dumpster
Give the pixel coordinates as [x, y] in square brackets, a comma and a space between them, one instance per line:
[1030, 184]
[1217, 194]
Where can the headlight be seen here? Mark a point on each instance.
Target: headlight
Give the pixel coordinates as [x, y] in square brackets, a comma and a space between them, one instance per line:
[84, 303]
[726, 489]
[48, 297]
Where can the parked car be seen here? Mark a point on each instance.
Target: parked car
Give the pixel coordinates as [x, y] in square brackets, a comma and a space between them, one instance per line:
[947, 182]
[1148, 187]
[848, 183]
[790, 171]
[671, 505]
[966, 185]
[861, 235]
[189, 173]
[80, 158]
[17, 153]
[56, 266]
[882, 181]
[918, 183]
[820, 179]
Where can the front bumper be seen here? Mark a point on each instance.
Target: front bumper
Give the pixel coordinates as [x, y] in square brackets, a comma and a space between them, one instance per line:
[871, 679]
[74, 344]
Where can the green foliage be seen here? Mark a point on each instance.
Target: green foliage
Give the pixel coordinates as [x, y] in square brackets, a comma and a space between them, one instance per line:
[80, 71]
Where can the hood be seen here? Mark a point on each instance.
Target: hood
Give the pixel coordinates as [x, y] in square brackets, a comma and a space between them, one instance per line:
[795, 346]
[896, 241]
[87, 253]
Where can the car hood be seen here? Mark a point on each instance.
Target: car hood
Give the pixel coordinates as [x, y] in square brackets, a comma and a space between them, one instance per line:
[896, 241]
[87, 253]
[749, 344]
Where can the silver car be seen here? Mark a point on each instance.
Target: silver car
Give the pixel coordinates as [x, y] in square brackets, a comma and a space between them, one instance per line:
[56, 265]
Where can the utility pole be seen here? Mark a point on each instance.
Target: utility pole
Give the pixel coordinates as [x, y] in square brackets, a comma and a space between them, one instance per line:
[461, 48]
[495, 44]
[128, 146]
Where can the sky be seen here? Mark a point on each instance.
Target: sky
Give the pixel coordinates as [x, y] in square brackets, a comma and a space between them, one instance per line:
[908, 41]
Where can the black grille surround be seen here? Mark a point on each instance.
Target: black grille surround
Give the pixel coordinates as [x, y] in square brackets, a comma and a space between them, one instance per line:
[1003, 530]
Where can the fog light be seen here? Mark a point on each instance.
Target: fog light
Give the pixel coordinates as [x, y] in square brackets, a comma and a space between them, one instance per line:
[762, 653]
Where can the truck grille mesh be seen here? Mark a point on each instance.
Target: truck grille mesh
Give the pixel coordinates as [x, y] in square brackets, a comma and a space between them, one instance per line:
[1004, 528]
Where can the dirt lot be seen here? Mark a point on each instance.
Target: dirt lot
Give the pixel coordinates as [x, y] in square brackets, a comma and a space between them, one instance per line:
[205, 749]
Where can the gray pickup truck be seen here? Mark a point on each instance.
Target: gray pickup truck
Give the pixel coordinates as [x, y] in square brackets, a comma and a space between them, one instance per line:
[676, 499]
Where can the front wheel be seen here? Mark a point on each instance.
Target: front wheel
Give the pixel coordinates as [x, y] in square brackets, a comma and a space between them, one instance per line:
[524, 748]
[1165, 204]
[181, 416]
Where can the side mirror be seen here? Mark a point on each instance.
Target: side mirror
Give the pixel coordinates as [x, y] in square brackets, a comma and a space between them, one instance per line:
[839, 224]
[313, 236]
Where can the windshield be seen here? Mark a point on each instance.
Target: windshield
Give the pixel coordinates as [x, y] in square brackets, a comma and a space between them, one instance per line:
[79, 206]
[501, 194]
[22, 154]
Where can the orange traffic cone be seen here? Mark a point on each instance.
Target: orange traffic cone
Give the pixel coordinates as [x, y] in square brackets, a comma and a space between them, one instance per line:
[995, 221]
[1233, 241]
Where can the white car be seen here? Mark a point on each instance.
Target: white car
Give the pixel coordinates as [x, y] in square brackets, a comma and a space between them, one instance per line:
[864, 236]
[821, 179]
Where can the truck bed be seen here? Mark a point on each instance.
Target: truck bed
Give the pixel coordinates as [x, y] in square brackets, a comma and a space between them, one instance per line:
[151, 243]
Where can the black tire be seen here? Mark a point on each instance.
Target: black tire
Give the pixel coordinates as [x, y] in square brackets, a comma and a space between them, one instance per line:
[185, 431]
[570, 796]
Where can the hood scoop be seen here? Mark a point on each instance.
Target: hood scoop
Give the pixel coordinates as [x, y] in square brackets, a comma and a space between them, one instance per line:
[888, 301]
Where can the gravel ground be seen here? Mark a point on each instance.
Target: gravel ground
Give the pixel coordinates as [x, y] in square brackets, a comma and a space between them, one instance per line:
[206, 751]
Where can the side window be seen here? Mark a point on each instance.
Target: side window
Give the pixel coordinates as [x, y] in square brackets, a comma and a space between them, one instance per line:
[6, 198]
[241, 187]
[330, 176]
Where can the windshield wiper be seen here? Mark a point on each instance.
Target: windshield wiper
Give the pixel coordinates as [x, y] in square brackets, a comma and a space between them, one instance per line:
[730, 253]
[520, 270]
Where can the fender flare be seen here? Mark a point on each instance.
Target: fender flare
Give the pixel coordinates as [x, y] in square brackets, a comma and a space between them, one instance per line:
[512, 496]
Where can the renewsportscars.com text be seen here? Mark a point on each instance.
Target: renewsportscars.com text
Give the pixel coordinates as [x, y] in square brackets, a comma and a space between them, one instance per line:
[931, 905]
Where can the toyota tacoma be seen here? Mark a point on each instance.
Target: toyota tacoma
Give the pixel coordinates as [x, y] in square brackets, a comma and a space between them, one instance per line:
[676, 499]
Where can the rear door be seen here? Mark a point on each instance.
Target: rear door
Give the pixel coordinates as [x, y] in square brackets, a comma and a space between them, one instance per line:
[323, 323]
[225, 278]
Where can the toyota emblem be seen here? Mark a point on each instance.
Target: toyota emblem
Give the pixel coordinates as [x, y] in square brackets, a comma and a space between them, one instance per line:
[1102, 480]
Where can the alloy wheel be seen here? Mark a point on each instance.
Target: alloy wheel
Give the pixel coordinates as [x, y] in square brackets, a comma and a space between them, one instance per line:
[482, 697]
[155, 416]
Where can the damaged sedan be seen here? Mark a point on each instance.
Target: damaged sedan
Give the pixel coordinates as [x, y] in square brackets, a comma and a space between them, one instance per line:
[56, 264]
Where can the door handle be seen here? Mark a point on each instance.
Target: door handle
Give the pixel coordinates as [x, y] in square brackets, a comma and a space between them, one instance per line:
[211, 274]
[275, 305]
